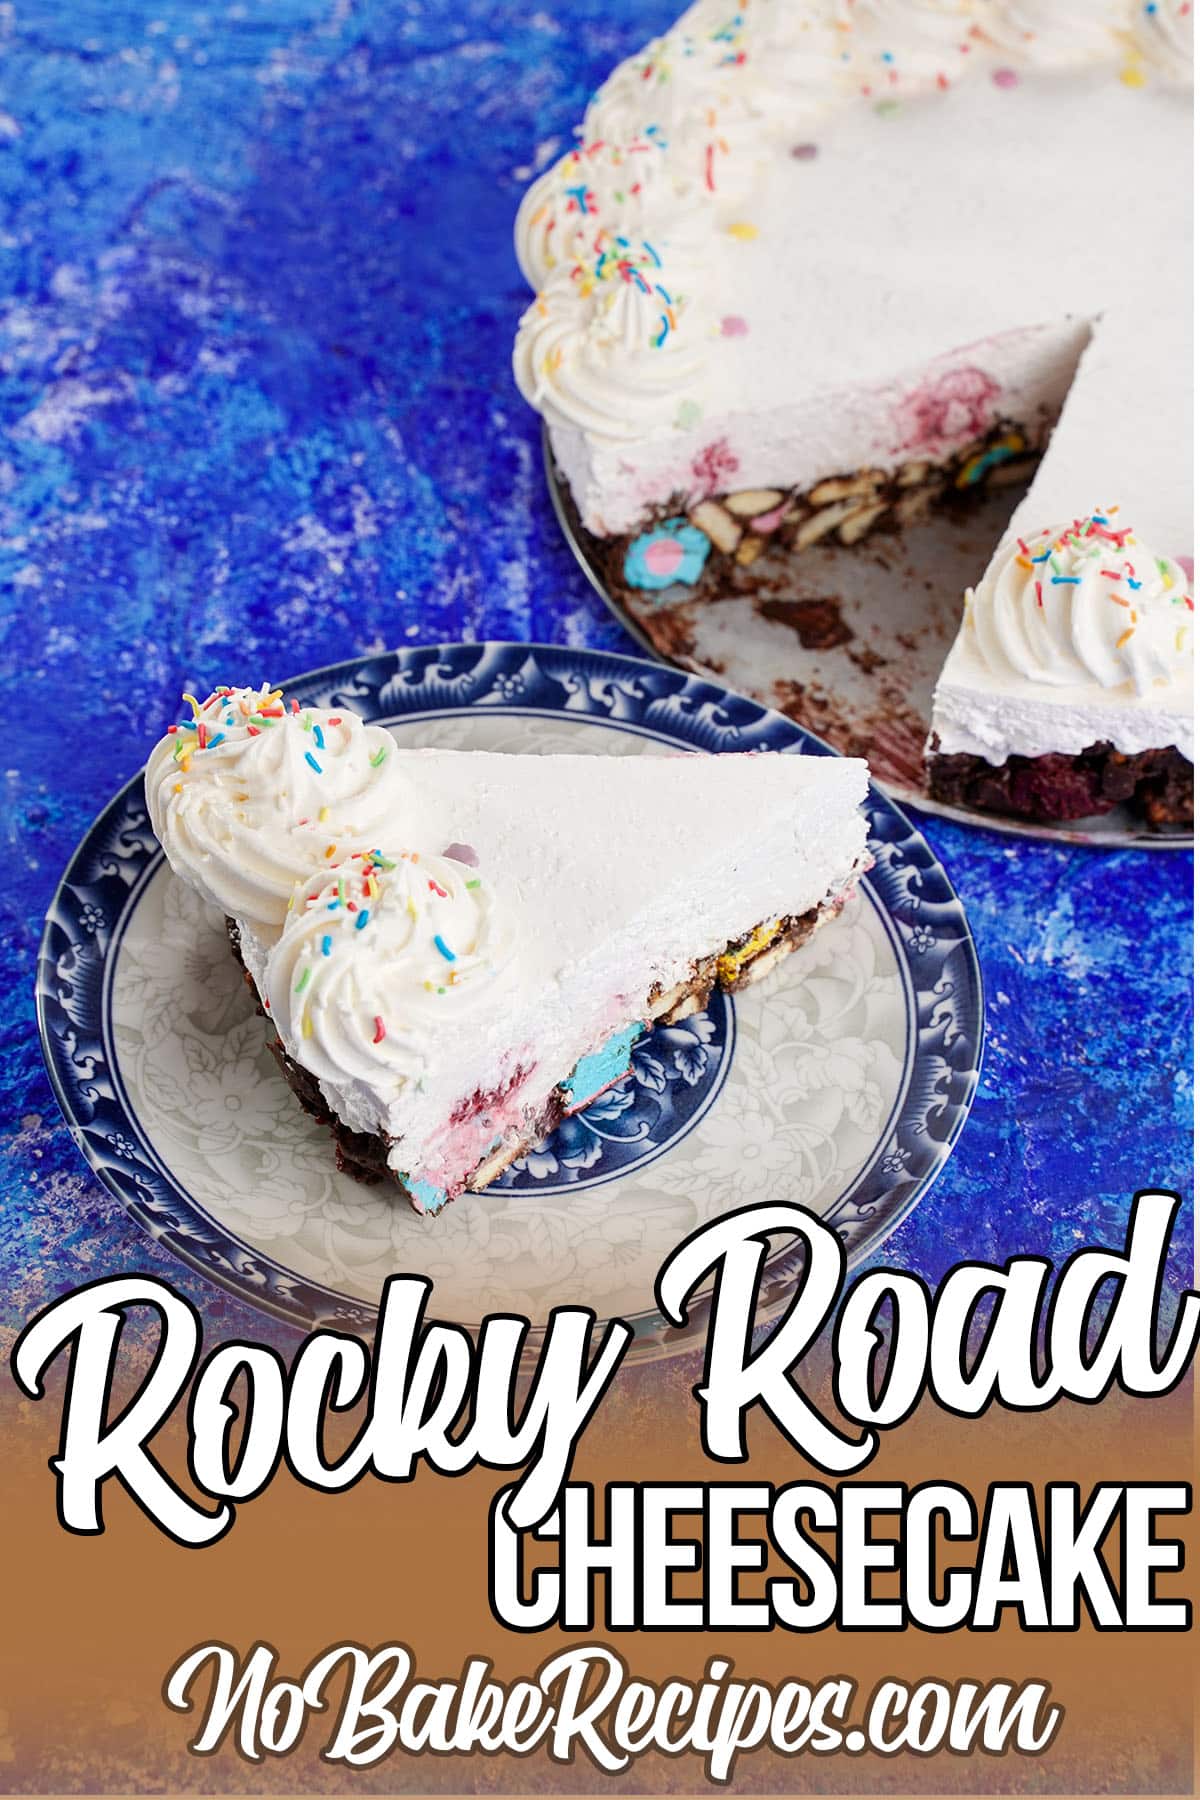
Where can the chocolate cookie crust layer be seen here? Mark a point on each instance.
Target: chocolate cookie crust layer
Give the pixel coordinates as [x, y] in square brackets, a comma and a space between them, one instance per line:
[1053, 788]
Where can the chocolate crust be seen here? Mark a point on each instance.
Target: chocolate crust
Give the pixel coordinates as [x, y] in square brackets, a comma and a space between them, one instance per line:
[1056, 787]
[364, 1155]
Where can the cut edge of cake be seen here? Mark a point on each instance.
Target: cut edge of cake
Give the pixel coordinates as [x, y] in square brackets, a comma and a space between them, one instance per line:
[365, 1156]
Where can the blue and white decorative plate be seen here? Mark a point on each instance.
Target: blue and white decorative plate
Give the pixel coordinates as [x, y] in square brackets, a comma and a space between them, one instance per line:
[841, 1081]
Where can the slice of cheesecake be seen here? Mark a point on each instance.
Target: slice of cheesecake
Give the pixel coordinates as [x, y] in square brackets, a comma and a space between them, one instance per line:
[1069, 688]
[446, 985]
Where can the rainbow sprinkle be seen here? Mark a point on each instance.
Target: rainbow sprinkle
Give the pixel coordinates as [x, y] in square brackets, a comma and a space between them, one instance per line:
[1091, 539]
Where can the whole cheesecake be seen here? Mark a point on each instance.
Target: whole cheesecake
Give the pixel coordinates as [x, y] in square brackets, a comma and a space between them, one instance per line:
[811, 270]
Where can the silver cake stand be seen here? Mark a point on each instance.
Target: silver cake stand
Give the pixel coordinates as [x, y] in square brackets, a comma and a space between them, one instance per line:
[893, 602]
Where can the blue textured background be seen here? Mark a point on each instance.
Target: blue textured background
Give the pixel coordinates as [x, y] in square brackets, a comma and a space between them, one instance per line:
[258, 298]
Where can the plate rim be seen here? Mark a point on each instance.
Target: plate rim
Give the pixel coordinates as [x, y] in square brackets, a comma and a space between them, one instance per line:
[1104, 838]
[655, 1339]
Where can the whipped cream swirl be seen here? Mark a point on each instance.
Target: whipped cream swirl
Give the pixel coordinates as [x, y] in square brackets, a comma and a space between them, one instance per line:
[1086, 602]
[652, 90]
[907, 46]
[600, 182]
[706, 44]
[248, 796]
[610, 345]
[663, 144]
[374, 954]
[1057, 34]
[1163, 37]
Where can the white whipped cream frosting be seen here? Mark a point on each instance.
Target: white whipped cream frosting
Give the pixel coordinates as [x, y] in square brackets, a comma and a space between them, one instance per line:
[1077, 635]
[1085, 601]
[673, 147]
[611, 342]
[602, 179]
[377, 957]
[248, 796]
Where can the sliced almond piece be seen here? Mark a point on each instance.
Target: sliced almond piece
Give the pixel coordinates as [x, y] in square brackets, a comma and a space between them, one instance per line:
[820, 523]
[751, 501]
[687, 996]
[749, 548]
[845, 487]
[910, 474]
[493, 1165]
[859, 523]
[717, 525]
[685, 1008]
[913, 505]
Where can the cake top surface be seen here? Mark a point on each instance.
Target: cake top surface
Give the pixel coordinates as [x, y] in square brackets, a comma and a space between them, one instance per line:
[255, 797]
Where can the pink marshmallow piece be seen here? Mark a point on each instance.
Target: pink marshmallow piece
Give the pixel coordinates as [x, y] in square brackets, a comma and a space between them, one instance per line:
[664, 556]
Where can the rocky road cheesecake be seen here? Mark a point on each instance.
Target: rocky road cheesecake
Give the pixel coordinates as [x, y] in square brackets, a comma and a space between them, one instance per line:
[802, 278]
[456, 949]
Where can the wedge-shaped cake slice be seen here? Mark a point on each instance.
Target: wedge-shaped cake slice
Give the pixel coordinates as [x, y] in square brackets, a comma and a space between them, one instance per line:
[471, 943]
[1070, 687]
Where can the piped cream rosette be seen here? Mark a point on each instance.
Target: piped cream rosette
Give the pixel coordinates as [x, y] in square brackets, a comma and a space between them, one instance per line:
[1081, 603]
[252, 794]
[613, 345]
[376, 954]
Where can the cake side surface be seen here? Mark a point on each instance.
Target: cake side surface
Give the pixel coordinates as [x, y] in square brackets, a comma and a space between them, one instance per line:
[1054, 787]
[926, 428]
[601, 923]
[368, 1155]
